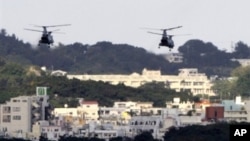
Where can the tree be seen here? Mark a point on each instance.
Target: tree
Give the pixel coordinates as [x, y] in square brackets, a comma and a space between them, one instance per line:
[224, 88]
[42, 138]
[207, 58]
[237, 84]
[144, 136]
[242, 83]
[241, 50]
[3, 32]
[218, 131]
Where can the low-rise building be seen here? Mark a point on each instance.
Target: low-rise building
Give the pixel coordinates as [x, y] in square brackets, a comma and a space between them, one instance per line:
[52, 133]
[92, 129]
[189, 120]
[235, 110]
[183, 107]
[157, 125]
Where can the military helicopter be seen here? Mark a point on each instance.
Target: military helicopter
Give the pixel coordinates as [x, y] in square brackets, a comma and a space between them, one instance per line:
[166, 39]
[46, 37]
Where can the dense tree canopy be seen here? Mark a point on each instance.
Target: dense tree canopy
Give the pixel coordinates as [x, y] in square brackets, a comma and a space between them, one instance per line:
[237, 84]
[214, 132]
[241, 50]
[207, 57]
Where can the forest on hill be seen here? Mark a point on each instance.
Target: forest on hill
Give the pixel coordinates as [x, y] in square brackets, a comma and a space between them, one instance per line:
[105, 57]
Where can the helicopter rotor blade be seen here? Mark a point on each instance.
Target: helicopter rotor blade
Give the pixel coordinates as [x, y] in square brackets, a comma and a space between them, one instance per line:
[172, 28]
[150, 28]
[155, 33]
[45, 26]
[179, 35]
[162, 28]
[55, 30]
[33, 30]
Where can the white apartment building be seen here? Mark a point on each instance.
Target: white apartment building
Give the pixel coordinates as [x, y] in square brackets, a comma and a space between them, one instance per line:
[113, 115]
[157, 125]
[19, 114]
[86, 112]
[187, 79]
[89, 110]
[101, 131]
[52, 133]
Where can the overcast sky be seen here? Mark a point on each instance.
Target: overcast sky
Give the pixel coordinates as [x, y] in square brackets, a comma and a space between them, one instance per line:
[221, 22]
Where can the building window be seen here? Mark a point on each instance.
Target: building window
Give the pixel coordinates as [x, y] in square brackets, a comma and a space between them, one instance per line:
[6, 118]
[14, 100]
[121, 105]
[16, 109]
[6, 109]
[106, 112]
[16, 117]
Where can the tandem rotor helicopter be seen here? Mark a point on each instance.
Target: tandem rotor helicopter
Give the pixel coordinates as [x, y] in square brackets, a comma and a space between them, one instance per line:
[46, 37]
[166, 40]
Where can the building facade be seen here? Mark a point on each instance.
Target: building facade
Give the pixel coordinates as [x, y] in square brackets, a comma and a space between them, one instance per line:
[187, 79]
[20, 113]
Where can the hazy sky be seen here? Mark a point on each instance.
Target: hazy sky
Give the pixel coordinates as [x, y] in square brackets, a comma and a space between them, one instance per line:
[221, 22]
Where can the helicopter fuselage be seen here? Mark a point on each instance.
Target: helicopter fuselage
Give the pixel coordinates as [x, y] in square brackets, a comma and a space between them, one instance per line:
[167, 42]
[46, 39]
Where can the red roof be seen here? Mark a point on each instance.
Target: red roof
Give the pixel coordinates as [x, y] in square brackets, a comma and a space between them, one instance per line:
[89, 102]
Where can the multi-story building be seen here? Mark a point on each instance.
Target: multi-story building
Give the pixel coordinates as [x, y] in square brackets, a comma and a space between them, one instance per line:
[20, 113]
[187, 79]
[89, 110]
[68, 117]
